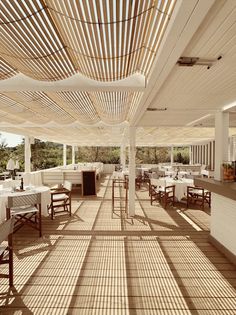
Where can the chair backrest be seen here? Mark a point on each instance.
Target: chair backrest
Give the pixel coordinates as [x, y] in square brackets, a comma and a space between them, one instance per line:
[24, 200]
[154, 181]
[6, 228]
[161, 182]
[67, 185]
[170, 190]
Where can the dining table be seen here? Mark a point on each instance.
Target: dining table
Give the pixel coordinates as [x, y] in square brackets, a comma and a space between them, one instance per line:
[7, 192]
[180, 184]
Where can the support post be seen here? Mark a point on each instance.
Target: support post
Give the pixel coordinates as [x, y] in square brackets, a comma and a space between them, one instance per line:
[221, 141]
[64, 155]
[73, 155]
[132, 151]
[171, 155]
[123, 156]
[27, 154]
[190, 155]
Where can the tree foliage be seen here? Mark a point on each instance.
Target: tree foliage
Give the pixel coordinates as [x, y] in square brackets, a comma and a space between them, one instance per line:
[47, 154]
[181, 155]
[154, 155]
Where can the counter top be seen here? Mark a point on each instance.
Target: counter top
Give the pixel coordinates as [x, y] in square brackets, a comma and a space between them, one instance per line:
[225, 189]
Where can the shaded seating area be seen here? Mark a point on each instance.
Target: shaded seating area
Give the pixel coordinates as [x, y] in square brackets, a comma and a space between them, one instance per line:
[198, 196]
[61, 199]
[6, 250]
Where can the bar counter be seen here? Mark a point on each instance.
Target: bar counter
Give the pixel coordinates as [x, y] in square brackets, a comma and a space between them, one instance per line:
[223, 215]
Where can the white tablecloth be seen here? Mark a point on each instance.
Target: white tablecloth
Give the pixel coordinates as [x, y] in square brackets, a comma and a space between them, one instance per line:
[33, 178]
[142, 170]
[45, 198]
[180, 185]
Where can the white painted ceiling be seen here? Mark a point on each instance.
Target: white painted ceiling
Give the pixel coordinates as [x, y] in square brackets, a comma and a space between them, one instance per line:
[83, 108]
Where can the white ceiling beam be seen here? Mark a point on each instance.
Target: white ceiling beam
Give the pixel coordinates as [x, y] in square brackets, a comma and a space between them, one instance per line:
[77, 82]
[187, 17]
[53, 124]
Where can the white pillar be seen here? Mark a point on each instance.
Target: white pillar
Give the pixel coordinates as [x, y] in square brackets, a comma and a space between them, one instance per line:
[132, 150]
[73, 154]
[190, 155]
[231, 149]
[171, 155]
[27, 154]
[64, 154]
[221, 141]
[123, 155]
[234, 148]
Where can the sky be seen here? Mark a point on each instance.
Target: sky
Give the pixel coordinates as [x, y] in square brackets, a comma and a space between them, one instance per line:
[11, 139]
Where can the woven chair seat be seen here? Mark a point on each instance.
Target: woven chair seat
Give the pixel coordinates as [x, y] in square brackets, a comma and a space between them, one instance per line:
[59, 197]
[23, 210]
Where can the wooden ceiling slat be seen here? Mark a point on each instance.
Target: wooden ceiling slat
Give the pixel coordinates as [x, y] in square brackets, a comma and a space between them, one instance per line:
[107, 39]
[6, 70]
[104, 40]
[90, 63]
[36, 46]
[137, 42]
[97, 39]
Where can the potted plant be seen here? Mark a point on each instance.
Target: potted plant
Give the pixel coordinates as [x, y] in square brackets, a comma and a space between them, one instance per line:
[227, 172]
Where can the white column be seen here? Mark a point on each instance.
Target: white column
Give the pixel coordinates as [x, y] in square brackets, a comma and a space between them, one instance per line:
[27, 154]
[73, 154]
[171, 155]
[190, 155]
[234, 148]
[221, 141]
[123, 155]
[132, 150]
[208, 154]
[64, 154]
[231, 149]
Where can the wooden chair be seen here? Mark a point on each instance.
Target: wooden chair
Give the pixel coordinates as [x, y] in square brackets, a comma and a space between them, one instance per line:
[163, 194]
[198, 195]
[61, 198]
[154, 183]
[154, 193]
[156, 189]
[26, 209]
[6, 250]
[169, 195]
[138, 181]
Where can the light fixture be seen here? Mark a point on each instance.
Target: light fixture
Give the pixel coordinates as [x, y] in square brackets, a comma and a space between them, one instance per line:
[196, 61]
[154, 109]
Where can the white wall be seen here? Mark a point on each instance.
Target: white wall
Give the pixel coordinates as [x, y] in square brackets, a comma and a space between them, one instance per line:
[223, 221]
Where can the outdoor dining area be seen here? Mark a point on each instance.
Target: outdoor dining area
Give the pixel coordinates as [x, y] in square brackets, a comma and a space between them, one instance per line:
[83, 249]
[120, 198]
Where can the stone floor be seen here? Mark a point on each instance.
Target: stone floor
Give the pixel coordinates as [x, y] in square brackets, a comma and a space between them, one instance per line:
[99, 262]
